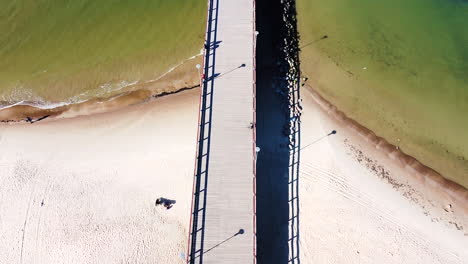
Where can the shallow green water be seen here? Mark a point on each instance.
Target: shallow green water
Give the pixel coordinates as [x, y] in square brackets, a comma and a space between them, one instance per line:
[54, 50]
[399, 67]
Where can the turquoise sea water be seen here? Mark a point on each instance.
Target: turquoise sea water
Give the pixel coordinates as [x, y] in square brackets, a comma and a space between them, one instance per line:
[398, 67]
[54, 50]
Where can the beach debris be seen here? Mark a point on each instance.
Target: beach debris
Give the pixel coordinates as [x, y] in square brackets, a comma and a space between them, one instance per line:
[448, 208]
[364, 68]
[167, 203]
[457, 225]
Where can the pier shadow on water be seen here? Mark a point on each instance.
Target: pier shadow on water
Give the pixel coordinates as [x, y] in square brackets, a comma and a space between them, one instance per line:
[278, 132]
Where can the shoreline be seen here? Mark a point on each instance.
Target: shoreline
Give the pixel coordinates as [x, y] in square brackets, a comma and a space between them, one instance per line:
[178, 78]
[422, 173]
[151, 90]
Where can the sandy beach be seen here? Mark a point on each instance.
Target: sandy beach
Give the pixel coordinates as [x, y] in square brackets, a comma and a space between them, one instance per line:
[350, 213]
[83, 189]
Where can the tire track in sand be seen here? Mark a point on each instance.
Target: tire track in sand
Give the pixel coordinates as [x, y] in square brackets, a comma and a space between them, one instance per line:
[336, 182]
[44, 195]
[31, 197]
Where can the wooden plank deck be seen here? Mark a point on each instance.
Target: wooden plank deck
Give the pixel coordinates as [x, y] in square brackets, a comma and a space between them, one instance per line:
[224, 211]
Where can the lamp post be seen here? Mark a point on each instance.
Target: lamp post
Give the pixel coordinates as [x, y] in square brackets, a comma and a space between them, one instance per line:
[198, 66]
[256, 35]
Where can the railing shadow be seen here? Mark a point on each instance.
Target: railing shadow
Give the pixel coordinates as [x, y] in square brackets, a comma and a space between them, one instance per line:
[291, 54]
[278, 133]
[197, 221]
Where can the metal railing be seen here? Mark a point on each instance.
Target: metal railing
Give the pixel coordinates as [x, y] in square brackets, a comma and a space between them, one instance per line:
[254, 133]
[197, 212]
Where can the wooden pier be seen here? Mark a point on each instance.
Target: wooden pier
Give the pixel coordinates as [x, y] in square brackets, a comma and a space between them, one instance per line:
[223, 208]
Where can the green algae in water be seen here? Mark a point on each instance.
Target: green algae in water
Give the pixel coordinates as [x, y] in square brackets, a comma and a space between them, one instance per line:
[57, 49]
[398, 67]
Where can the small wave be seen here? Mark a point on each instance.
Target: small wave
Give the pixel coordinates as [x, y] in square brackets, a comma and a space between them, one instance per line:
[105, 89]
[19, 93]
[43, 106]
[175, 67]
[12, 105]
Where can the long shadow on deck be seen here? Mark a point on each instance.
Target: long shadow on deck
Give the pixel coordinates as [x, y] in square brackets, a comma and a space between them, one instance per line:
[197, 221]
[278, 133]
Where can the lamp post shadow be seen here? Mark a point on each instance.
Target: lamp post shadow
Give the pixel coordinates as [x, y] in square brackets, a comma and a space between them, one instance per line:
[240, 232]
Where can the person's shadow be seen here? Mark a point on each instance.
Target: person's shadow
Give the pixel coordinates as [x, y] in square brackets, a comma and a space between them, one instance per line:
[167, 203]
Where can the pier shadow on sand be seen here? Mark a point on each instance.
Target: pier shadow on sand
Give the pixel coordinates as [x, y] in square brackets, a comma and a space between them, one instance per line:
[278, 132]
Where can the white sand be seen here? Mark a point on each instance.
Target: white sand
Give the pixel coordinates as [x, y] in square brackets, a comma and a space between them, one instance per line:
[82, 190]
[349, 215]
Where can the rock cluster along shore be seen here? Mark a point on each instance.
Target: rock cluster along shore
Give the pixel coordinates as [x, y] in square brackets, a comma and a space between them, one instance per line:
[289, 65]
